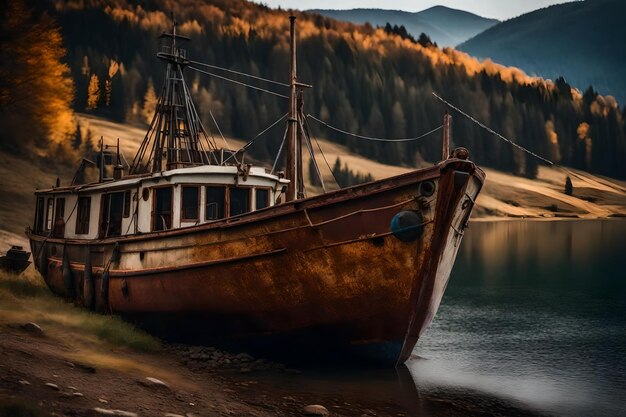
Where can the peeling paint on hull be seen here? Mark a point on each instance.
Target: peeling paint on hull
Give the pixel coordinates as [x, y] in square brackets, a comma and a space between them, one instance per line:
[326, 265]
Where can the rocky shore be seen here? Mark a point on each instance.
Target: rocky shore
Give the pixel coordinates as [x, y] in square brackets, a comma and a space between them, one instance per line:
[60, 360]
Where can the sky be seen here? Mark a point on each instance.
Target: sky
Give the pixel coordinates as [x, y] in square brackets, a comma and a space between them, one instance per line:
[498, 9]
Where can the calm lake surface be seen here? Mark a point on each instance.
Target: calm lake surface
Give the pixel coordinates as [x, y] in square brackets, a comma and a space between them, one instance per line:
[535, 313]
[533, 323]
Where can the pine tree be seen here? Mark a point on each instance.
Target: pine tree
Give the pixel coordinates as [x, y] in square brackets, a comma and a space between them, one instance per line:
[78, 137]
[337, 173]
[149, 103]
[107, 92]
[313, 177]
[88, 149]
[424, 40]
[569, 187]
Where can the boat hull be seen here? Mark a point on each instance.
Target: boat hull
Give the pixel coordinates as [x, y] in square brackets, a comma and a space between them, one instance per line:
[328, 271]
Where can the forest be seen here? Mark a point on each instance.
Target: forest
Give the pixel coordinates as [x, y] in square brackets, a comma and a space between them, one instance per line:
[366, 80]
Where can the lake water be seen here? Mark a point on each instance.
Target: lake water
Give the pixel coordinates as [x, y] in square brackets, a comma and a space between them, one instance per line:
[533, 323]
[535, 313]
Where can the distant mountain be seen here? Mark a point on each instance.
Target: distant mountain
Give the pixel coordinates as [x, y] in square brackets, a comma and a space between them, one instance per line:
[447, 27]
[585, 42]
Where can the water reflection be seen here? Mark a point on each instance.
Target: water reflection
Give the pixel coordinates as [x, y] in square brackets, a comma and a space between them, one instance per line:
[535, 313]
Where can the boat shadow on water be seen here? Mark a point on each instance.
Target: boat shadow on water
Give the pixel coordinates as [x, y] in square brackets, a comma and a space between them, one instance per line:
[381, 391]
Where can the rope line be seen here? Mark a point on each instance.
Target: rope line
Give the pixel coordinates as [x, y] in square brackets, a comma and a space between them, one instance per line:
[239, 82]
[247, 145]
[240, 73]
[373, 138]
[306, 121]
[280, 150]
[493, 132]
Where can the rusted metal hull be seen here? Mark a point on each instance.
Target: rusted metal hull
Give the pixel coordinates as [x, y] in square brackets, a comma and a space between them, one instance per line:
[326, 269]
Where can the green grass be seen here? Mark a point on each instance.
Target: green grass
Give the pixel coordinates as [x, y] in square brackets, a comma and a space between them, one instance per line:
[26, 298]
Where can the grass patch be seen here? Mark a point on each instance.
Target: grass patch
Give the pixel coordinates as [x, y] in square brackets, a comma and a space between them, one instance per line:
[26, 298]
[28, 284]
[14, 407]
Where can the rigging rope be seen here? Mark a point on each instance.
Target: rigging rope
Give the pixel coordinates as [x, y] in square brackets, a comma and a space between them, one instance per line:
[247, 145]
[280, 150]
[239, 82]
[373, 138]
[306, 121]
[219, 130]
[490, 130]
[240, 73]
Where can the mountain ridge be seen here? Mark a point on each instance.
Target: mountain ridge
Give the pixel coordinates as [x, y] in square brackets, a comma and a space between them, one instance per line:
[585, 42]
[444, 25]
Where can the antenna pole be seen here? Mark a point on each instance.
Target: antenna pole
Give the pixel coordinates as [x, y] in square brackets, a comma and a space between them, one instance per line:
[292, 126]
[445, 152]
[101, 158]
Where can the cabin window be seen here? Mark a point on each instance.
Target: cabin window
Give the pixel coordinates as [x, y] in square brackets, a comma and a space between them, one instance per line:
[82, 215]
[39, 215]
[239, 199]
[214, 207]
[126, 204]
[60, 209]
[162, 218]
[49, 212]
[190, 203]
[59, 222]
[262, 198]
[112, 212]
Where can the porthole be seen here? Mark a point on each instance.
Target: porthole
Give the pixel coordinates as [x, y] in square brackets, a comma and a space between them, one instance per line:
[427, 188]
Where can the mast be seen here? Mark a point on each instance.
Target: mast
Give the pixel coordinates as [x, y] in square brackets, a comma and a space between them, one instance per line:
[445, 151]
[176, 133]
[292, 132]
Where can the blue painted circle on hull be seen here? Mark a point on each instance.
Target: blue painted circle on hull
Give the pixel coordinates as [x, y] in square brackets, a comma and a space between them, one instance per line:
[407, 225]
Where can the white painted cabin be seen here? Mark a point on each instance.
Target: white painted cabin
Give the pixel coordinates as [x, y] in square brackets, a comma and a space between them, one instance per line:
[155, 202]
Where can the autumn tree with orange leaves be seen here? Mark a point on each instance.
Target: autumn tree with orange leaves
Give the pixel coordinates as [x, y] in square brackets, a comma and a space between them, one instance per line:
[36, 90]
[366, 80]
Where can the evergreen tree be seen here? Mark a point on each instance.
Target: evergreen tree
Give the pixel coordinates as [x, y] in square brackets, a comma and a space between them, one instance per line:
[88, 149]
[313, 177]
[425, 41]
[569, 188]
[149, 103]
[107, 92]
[366, 81]
[77, 142]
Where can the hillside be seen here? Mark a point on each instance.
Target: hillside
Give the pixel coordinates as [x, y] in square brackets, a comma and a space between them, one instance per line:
[585, 42]
[365, 80]
[445, 26]
[504, 195]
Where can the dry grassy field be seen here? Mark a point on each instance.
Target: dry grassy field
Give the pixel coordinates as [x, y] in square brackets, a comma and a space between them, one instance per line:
[504, 195]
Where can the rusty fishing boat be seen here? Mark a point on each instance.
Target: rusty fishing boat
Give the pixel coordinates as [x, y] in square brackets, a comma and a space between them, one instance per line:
[191, 241]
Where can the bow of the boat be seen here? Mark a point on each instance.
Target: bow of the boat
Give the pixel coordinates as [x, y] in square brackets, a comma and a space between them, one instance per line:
[459, 185]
